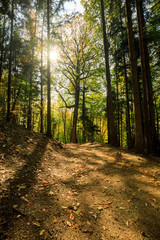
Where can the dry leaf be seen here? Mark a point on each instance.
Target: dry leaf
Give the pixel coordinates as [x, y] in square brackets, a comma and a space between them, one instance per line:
[151, 179]
[54, 221]
[36, 224]
[42, 232]
[69, 224]
[71, 216]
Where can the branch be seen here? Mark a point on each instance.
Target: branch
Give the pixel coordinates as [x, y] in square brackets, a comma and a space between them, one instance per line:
[66, 89]
[64, 100]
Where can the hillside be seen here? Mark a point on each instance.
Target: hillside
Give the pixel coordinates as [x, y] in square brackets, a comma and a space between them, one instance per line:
[75, 191]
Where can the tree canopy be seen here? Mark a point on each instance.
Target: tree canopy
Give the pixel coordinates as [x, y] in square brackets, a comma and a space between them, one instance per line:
[83, 77]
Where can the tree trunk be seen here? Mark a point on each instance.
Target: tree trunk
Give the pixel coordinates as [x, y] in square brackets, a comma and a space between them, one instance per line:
[151, 139]
[135, 83]
[75, 114]
[48, 133]
[2, 47]
[10, 65]
[112, 135]
[118, 108]
[128, 124]
[64, 118]
[41, 130]
[84, 115]
[29, 119]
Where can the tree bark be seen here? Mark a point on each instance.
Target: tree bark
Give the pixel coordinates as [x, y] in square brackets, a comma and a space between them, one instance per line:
[135, 82]
[2, 47]
[128, 124]
[75, 114]
[84, 115]
[112, 135]
[41, 130]
[150, 137]
[10, 65]
[48, 133]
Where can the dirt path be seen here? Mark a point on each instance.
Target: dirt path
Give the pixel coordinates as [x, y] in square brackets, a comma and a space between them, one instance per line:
[88, 191]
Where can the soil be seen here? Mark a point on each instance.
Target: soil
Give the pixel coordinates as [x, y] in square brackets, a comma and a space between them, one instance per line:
[75, 191]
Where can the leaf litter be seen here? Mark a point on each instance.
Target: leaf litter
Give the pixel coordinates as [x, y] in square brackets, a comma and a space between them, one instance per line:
[87, 191]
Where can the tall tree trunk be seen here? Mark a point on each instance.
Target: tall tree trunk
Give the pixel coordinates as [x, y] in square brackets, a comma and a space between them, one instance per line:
[29, 124]
[29, 119]
[118, 108]
[128, 124]
[41, 130]
[75, 114]
[112, 135]
[151, 139]
[48, 133]
[64, 118]
[2, 47]
[135, 83]
[10, 65]
[84, 115]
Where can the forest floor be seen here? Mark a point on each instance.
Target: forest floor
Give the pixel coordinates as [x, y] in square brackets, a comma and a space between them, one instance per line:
[75, 191]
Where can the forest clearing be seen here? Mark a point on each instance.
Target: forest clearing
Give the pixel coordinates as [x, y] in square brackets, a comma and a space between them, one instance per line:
[88, 191]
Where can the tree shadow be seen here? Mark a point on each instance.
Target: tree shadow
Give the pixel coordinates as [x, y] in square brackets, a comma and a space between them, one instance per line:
[137, 204]
[18, 187]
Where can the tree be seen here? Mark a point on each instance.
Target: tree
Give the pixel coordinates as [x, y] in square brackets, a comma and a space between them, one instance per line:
[48, 73]
[10, 63]
[135, 82]
[112, 136]
[76, 65]
[150, 137]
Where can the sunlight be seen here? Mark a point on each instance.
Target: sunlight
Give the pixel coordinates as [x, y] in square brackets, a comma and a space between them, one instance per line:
[54, 55]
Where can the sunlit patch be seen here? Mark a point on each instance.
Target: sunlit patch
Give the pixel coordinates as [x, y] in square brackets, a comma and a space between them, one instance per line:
[54, 55]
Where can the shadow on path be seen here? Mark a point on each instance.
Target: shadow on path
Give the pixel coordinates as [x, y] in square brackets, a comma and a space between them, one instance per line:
[23, 181]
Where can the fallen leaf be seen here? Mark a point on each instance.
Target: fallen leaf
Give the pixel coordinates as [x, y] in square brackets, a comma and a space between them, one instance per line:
[15, 206]
[71, 216]
[100, 208]
[36, 224]
[151, 179]
[68, 211]
[69, 224]
[64, 207]
[25, 199]
[54, 221]
[105, 206]
[42, 232]
[17, 150]
[78, 211]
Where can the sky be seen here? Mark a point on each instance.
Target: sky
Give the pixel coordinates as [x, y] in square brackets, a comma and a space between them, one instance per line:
[71, 6]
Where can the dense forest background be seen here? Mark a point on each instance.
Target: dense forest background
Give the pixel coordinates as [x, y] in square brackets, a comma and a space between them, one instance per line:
[83, 77]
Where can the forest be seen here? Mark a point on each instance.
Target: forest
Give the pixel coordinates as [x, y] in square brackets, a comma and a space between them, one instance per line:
[83, 77]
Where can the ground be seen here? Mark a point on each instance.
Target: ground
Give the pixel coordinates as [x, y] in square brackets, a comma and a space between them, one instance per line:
[75, 191]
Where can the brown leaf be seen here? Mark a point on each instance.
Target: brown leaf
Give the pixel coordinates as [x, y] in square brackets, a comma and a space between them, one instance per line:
[71, 216]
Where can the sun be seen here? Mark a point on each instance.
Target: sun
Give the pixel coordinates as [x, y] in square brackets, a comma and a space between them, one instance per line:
[53, 55]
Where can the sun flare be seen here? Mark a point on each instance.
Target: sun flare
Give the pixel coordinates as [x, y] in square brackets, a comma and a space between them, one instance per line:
[53, 55]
